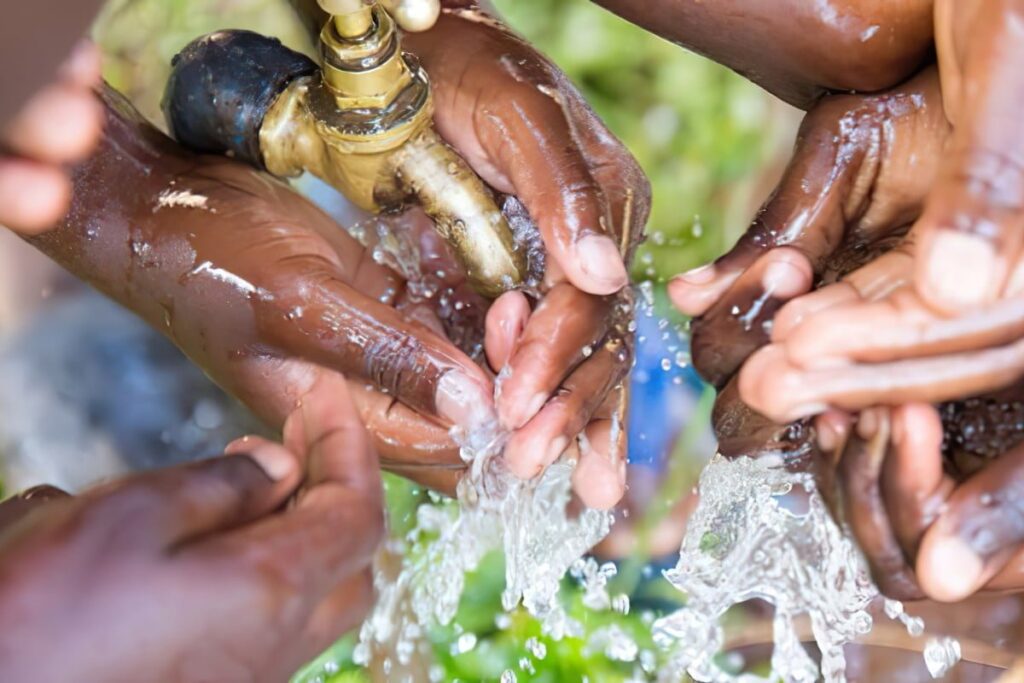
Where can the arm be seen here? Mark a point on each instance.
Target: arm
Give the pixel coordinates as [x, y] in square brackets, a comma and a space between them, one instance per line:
[796, 49]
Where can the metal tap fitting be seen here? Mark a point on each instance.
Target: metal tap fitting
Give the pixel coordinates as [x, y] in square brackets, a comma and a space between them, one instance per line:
[362, 122]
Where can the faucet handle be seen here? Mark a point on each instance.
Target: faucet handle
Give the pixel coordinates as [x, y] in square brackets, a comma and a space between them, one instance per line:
[356, 19]
[414, 15]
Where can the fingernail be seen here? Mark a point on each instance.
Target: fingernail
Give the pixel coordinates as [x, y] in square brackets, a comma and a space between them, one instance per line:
[783, 280]
[464, 401]
[828, 439]
[954, 570]
[601, 261]
[515, 414]
[699, 276]
[962, 268]
[274, 460]
[867, 424]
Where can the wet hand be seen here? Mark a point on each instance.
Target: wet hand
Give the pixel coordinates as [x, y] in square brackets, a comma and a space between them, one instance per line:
[265, 292]
[200, 572]
[562, 387]
[527, 131]
[58, 126]
[926, 529]
[859, 176]
[950, 329]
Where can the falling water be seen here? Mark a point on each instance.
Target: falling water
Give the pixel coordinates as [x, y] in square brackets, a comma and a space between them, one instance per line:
[528, 520]
[745, 542]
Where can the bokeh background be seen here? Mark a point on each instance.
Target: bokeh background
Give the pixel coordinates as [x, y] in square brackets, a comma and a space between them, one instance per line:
[712, 144]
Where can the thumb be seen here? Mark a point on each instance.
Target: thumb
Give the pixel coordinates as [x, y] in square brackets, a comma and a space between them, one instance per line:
[981, 529]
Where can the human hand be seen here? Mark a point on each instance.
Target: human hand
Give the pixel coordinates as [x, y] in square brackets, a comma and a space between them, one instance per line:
[859, 175]
[950, 332]
[931, 494]
[525, 129]
[268, 295]
[200, 572]
[59, 125]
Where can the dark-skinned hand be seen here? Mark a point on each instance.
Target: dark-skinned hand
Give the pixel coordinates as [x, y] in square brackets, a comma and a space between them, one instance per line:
[946, 324]
[201, 572]
[267, 294]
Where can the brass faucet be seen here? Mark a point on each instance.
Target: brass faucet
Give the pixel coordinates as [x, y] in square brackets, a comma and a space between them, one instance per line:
[364, 125]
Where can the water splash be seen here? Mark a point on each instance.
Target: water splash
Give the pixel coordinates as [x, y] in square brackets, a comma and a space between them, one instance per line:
[744, 542]
[528, 520]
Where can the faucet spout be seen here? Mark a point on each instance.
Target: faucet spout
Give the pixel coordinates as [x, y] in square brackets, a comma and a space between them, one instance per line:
[362, 122]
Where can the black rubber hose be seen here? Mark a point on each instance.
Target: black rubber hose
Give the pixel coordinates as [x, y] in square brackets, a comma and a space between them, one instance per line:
[221, 87]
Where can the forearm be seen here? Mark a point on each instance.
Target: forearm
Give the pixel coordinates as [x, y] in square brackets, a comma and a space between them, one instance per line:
[796, 49]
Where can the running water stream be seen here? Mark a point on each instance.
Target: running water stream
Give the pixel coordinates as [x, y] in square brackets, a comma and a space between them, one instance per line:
[759, 531]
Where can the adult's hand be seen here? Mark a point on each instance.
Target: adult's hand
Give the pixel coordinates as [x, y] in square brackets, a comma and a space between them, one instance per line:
[932, 495]
[59, 125]
[268, 294]
[200, 572]
[859, 176]
[953, 330]
[527, 131]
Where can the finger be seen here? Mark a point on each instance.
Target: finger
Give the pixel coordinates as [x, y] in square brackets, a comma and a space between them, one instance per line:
[402, 437]
[971, 232]
[339, 450]
[914, 485]
[60, 124]
[84, 67]
[625, 185]
[871, 282]
[506, 320]
[537, 147]
[600, 476]
[15, 508]
[772, 385]
[340, 612]
[980, 530]
[545, 437]
[166, 508]
[342, 329]
[864, 510]
[740, 323]
[743, 432]
[566, 322]
[805, 211]
[33, 197]
[337, 522]
[901, 326]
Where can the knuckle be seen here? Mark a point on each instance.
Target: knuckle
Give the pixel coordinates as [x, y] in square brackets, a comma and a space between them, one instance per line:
[397, 362]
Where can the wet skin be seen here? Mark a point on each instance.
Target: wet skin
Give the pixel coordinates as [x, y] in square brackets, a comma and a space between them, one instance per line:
[267, 295]
[799, 50]
[527, 131]
[200, 572]
[854, 193]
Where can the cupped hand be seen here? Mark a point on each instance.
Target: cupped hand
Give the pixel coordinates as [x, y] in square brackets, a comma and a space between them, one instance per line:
[947, 325]
[858, 177]
[58, 126]
[527, 131]
[932, 494]
[269, 295]
[200, 572]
